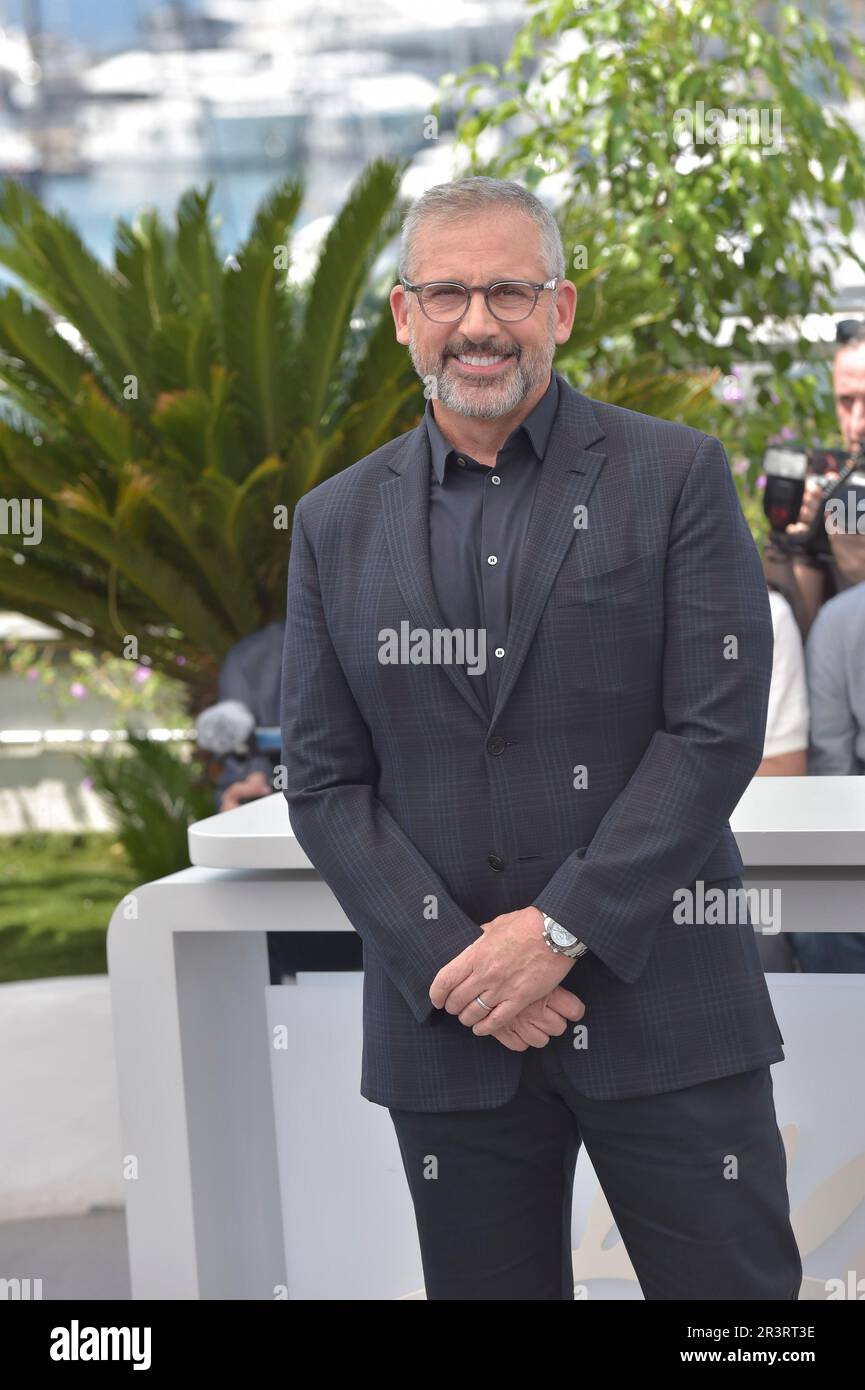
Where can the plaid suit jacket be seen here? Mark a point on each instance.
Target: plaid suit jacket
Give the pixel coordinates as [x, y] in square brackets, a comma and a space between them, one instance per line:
[640, 650]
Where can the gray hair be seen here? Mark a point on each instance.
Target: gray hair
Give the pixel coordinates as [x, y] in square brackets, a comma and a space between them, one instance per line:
[462, 197]
[849, 333]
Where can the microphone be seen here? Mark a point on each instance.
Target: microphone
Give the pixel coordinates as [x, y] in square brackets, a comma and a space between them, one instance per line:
[226, 727]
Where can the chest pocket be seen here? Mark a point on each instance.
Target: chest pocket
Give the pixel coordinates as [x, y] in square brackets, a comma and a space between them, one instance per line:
[591, 588]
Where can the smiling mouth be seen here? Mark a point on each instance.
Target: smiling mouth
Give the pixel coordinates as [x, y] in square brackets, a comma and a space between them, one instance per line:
[481, 362]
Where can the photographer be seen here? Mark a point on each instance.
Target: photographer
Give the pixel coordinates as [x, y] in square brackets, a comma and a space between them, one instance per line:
[808, 568]
[835, 650]
[824, 551]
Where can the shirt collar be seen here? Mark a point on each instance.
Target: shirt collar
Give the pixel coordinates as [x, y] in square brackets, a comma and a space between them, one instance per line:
[537, 425]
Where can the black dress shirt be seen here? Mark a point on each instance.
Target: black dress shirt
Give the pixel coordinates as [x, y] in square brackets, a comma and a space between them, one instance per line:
[477, 524]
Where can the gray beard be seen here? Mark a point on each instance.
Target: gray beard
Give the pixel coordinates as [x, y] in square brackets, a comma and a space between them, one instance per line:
[486, 399]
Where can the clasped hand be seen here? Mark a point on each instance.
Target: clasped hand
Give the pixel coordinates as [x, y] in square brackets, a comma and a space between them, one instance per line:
[512, 969]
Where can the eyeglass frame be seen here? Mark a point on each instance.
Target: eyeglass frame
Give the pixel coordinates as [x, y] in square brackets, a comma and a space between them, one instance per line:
[486, 290]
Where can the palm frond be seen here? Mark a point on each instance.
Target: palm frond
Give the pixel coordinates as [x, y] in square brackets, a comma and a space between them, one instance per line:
[360, 230]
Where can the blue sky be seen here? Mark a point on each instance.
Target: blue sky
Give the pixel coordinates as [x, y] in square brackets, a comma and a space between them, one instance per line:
[103, 23]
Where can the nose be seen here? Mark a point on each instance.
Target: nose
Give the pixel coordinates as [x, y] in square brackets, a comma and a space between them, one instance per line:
[478, 323]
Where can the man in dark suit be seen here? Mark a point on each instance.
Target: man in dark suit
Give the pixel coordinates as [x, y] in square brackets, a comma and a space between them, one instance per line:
[525, 681]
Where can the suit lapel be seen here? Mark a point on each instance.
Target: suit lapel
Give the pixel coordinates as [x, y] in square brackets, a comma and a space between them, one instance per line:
[568, 475]
[405, 505]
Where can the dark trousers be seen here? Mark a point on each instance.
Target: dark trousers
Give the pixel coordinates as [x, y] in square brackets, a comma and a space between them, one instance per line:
[492, 1189]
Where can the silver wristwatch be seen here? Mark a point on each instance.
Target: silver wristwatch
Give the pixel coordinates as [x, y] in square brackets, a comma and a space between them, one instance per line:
[560, 940]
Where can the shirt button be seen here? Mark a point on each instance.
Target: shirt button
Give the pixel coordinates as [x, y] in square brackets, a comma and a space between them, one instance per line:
[496, 744]
[495, 863]
[461, 462]
[492, 559]
[495, 479]
[500, 651]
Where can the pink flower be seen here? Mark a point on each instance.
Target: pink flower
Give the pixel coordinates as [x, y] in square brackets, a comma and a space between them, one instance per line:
[86, 784]
[78, 690]
[142, 674]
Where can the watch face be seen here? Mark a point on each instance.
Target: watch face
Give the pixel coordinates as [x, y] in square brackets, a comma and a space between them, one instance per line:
[561, 936]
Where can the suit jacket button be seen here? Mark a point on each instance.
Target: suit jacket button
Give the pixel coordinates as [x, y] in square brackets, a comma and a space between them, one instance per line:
[495, 863]
[496, 744]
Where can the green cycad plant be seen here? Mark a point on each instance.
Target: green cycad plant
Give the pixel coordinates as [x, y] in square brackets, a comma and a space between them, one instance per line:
[154, 795]
[171, 409]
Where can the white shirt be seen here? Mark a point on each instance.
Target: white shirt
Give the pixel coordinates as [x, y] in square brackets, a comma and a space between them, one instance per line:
[787, 718]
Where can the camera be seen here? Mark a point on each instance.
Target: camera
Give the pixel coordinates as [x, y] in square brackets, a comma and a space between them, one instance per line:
[786, 468]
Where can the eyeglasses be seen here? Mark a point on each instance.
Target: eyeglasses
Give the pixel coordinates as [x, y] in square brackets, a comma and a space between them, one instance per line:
[446, 301]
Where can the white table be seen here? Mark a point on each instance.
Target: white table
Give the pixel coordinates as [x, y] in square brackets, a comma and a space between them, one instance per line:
[235, 1148]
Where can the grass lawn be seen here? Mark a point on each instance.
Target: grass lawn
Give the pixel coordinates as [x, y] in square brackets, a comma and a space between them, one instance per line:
[57, 894]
